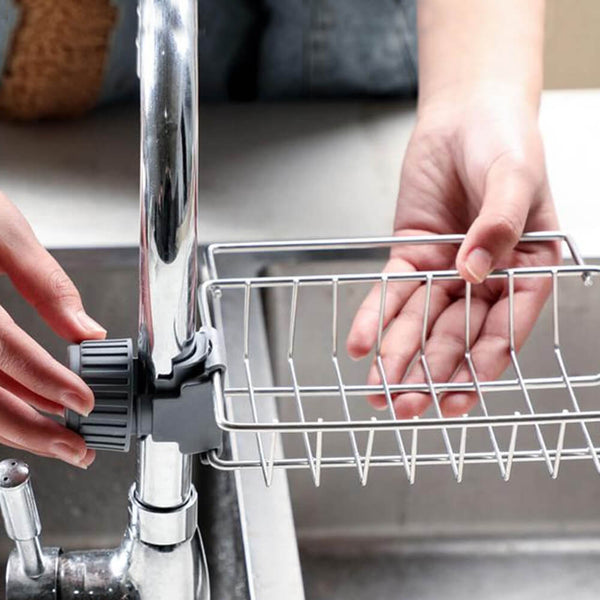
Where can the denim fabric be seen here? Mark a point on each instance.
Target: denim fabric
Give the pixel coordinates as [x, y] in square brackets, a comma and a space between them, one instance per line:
[338, 48]
[274, 49]
[228, 44]
[120, 76]
[9, 17]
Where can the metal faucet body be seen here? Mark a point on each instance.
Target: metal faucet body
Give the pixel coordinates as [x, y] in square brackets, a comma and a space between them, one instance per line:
[136, 570]
[161, 555]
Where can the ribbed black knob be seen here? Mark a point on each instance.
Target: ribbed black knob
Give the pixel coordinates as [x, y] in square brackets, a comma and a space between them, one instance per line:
[107, 366]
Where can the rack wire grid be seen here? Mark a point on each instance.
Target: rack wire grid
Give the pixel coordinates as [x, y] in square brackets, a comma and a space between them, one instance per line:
[516, 418]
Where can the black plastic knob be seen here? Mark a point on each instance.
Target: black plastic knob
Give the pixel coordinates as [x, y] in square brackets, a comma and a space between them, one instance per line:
[108, 367]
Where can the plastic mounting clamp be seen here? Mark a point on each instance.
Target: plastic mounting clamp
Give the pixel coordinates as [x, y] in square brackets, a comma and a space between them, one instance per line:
[108, 367]
[129, 401]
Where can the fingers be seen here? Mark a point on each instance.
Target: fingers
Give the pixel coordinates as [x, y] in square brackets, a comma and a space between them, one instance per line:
[444, 351]
[29, 376]
[490, 354]
[363, 332]
[21, 426]
[509, 195]
[26, 362]
[40, 279]
[403, 338]
[33, 399]
[84, 463]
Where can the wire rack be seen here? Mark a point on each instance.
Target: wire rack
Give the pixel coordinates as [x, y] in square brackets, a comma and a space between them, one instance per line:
[331, 425]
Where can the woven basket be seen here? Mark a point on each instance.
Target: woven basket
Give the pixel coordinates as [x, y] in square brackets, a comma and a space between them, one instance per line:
[57, 58]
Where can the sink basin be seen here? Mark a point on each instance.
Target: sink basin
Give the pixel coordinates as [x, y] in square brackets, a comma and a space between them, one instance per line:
[531, 537]
[504, 573]
[88, 509]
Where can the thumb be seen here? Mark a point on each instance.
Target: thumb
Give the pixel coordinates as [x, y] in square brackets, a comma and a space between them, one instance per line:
[507, 200]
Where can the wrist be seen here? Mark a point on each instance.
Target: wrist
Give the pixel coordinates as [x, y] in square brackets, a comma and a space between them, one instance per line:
[464, 97]
[471, 47]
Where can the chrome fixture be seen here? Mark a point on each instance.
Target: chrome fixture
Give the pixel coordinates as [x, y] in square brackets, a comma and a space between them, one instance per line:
[161, 555]
[21, 517]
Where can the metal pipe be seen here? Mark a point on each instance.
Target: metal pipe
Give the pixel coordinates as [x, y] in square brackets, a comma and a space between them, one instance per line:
[30, 553]
[20, 514]
[164, 474]
[134, 571]
[168, 187]
[161, 555]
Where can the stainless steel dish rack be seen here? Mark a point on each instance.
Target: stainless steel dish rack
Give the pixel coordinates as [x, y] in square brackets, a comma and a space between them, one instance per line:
[518, 429]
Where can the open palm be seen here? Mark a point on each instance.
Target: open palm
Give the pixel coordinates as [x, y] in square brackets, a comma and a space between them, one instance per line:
[477, 170]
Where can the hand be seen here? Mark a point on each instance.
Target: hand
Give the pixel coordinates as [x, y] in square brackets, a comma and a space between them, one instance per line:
[30, 378]
[474, 165]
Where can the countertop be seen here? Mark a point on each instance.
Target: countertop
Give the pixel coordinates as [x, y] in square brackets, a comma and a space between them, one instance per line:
[269, 170]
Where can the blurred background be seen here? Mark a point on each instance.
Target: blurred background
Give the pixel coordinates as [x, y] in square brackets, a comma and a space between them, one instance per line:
[572, 44]
[267, 170]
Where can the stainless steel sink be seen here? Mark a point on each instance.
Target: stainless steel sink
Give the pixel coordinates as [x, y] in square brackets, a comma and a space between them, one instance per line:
[510, 574]
[88, 509]
[532, 537]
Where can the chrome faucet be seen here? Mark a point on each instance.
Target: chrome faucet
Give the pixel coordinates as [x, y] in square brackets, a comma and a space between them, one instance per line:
[161, 555]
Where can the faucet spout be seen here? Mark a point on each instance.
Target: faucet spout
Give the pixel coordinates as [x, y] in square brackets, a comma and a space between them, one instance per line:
[20, 514]
[168, 67]
[161, 555]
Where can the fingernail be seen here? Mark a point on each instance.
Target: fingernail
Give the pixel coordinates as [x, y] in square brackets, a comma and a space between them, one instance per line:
[373, 377]
[67, 453]
[479, 264]
[88, 323]
[57, 410]
[88, 459]
[76, 403]
[355, 352]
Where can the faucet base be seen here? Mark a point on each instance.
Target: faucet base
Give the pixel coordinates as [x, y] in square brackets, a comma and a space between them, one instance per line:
[19, 586]
[136, 570]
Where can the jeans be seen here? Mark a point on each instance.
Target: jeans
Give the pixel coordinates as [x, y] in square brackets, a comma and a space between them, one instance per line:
[274, 49]
[286, 49]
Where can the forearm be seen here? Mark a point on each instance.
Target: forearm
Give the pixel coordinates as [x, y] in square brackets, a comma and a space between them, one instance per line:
[468, 45]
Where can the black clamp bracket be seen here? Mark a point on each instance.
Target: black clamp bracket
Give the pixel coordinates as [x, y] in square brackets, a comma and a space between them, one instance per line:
[130, 401]
[182, 408]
